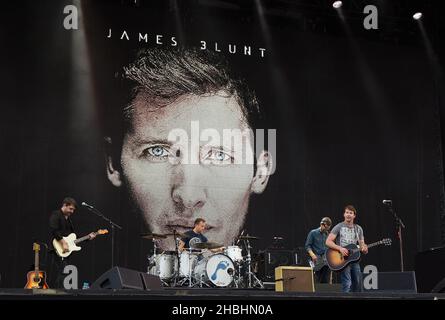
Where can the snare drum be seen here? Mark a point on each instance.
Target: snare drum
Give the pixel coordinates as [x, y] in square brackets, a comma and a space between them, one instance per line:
[166, 265]
[187, 263]
[217, 269]
[234, 253]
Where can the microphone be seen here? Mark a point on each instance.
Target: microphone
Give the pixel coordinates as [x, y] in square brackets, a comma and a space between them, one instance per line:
[387, 202]
[87, 205]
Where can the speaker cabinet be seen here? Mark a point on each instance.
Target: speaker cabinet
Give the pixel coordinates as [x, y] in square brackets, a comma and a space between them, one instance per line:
[440, 287]
[396, 282]
[296, 279]
[151, 282]
[328, 288]
[122, 278]
[430, 271]
[268, 260]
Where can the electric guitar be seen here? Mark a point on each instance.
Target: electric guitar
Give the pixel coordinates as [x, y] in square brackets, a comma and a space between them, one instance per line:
[337, 262]
[72, 242]
[36, 279]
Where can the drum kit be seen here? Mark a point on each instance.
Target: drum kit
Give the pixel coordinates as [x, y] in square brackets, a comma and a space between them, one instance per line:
[200, 267]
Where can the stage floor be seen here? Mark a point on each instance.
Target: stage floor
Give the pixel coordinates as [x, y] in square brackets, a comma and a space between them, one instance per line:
[205, 294]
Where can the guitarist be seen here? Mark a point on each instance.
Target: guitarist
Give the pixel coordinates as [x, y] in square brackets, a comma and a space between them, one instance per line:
[343, 234]
[316, 248]
[60, 225]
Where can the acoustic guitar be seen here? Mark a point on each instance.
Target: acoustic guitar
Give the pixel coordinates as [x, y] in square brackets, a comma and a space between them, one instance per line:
[337, 262]
[36, 279]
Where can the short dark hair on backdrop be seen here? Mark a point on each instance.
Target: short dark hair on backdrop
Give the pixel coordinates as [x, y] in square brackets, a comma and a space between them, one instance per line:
[69, 201]
[162, 75]
[198, 221]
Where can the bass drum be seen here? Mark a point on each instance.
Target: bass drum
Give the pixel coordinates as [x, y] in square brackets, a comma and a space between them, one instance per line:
[217, 269]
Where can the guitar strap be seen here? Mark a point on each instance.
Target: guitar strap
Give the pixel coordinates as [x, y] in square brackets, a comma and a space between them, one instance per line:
[356, 233]
[71, 224]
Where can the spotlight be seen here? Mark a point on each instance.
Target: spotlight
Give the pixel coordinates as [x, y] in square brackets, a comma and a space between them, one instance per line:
[337, 4]
[417, 16]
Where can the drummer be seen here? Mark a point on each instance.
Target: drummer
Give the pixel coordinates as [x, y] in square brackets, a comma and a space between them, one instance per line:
[194, 236]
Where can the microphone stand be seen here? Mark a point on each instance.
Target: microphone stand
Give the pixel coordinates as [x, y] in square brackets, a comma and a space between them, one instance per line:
[113, 226]
[399, 226]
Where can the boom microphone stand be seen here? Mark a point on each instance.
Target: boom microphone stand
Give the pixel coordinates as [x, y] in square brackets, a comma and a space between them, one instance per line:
[399, 226]
[112, 224]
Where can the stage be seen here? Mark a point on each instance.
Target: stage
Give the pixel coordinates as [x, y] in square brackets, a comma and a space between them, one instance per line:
[198, 294]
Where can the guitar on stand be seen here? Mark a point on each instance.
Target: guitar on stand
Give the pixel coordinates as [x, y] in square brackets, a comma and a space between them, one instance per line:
[36, 279]
[72, 241]
[337, 262]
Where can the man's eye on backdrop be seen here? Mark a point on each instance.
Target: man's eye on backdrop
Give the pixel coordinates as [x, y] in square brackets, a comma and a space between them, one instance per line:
[157, 153]
[217, 157]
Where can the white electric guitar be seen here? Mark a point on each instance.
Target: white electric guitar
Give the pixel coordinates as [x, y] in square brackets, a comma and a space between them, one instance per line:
[72, 242]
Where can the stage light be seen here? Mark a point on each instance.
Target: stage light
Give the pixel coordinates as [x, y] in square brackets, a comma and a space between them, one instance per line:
[417, 15]
[337, 4]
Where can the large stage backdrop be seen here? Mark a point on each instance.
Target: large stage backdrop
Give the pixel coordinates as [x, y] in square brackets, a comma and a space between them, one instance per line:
[159, 112]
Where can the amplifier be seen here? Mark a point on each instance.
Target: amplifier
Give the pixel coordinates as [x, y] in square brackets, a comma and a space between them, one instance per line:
[270, 259]
[296, 279]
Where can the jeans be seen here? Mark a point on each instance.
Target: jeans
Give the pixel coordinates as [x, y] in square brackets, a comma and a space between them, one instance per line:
[351, 278]
[323, 275]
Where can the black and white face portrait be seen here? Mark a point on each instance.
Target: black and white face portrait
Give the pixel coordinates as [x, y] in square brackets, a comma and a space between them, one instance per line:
[178, 164]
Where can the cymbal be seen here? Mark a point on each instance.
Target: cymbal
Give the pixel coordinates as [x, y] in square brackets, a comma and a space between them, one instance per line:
[161, 236]
[153, 236]
[176, 234]
[207, 245]
[248, 238]
[173, 227]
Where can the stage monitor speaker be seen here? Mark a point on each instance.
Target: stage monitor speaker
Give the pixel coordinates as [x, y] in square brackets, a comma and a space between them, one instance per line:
[430, 271]
[151, 282]
[397, 282]
[273, 258]
[122, 278]
[295, 279]
[327, 287]
[439, 287]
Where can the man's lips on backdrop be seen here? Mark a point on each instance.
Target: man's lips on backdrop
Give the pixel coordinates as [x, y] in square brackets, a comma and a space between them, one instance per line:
[184, 225]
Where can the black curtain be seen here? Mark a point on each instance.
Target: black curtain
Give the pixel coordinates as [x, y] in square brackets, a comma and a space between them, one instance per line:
[352, 127]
